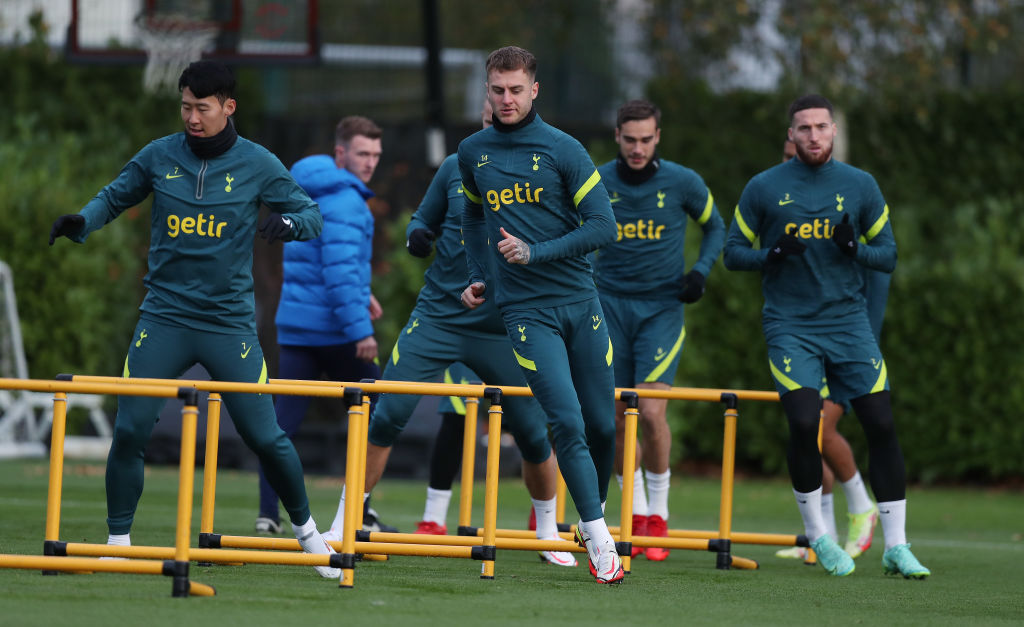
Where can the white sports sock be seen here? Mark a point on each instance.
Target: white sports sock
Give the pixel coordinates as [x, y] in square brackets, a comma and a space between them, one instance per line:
[599, 535]
[436, 509]
[547, 525]
[339, 518]
[640, 507]
[305, 529]
[857, 499]
[119, 539]
[657, 493]
[894, 522]
[828, 512]
[809, 504]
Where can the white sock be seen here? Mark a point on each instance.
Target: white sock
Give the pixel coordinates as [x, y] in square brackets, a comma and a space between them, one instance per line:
[657, 493]
[828, 513]
[857, 499]
[809, 504]
[547, 526]
[640, 507]
[436, 509]
[119, 539]
[894, 522]
[304, 530]
[599, 535]
[339, 518]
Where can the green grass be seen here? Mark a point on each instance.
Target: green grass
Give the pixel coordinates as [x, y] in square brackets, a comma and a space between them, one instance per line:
[969, 538]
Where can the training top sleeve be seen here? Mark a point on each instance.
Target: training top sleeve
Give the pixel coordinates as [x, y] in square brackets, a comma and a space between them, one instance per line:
[597, 221]
[877, 244]
[740, 253]
[704, 212]
[474, 234]
[282, 194]
[433, 208]
[130, 188]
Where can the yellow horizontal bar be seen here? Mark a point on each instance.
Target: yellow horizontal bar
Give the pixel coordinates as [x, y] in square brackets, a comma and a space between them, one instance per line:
[52, 562]
[336, 388]
[530, 543]
[201, 555]
[46, 385]
[737, 537]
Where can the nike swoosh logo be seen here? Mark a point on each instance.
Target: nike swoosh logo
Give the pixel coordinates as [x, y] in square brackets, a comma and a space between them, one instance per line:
[598, 324]
[246, 352]
[480, 165]
[785, 202]
[658, 357]
[177, 176]
[614, 200]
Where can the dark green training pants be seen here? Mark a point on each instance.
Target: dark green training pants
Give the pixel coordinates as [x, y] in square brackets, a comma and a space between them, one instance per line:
[164, 351]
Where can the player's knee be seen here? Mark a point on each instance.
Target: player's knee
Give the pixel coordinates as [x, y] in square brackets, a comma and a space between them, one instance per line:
[803, 412]
[875, 414]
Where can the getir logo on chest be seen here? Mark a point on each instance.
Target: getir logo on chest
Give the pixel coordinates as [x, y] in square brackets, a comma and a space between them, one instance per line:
[201, 225]
[641, 229]
[519, 193]
[818, 229]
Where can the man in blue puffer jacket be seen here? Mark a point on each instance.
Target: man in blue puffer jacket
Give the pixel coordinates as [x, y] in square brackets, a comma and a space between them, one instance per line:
[324, 319]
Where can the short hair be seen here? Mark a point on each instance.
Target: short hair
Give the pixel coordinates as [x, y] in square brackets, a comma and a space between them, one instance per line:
[510, 59]
[810, 101]
[638, 110]
[208, 78]
[353, 125]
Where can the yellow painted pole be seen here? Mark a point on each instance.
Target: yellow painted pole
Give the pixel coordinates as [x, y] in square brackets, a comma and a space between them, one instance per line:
[353, 489]
[560, 490]
[79, 564]
[468, 462]
[53, 494]
[213, 404]
[628, 466]
[186, 484]
[491, 482]
[728, 469]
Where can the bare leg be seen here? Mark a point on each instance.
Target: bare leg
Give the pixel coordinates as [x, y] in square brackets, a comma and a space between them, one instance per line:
[835, 450]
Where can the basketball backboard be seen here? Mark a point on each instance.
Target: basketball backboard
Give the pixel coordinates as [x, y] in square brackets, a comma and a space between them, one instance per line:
[258, 32]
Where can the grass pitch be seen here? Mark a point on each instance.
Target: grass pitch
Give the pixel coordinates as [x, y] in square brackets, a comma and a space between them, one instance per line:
[970, 538]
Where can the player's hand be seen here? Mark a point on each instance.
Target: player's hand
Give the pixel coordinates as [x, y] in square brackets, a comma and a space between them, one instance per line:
[514, 249]
[420, 242]
[693, 287]
[787, 244]
[66, 226]
[276, 227]
[843, 236]
[473, 296]
[366, 349]
[376, 311]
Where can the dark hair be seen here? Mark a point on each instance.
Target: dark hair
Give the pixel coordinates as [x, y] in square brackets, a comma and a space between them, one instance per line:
[511, 58]
[208, 78]
[638, 110]
[809, 101]
[353, 125]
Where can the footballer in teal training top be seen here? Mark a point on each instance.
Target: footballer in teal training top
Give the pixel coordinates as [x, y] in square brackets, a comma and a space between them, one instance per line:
[643, 283]
[207, 185]
[826, 220]
[535, 207]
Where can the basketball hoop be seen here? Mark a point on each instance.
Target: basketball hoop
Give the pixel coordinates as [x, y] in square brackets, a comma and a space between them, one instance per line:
[172, 42]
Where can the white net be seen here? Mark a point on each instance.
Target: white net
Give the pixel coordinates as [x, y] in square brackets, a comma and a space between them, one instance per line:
[171, 43]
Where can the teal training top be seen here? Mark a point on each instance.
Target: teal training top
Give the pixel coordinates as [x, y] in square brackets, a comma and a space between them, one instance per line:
[446, 278]
[540, 185]
[203, 223]
[646, 258]
[821, 289]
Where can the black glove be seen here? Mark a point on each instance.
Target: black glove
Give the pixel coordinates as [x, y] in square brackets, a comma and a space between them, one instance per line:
[788, 244]
[419, 242]
[693, 287]
[276, 227]
[66, 226]
[842, 235]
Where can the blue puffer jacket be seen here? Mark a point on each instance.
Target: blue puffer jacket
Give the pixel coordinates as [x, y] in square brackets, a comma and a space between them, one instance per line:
[326, 291]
